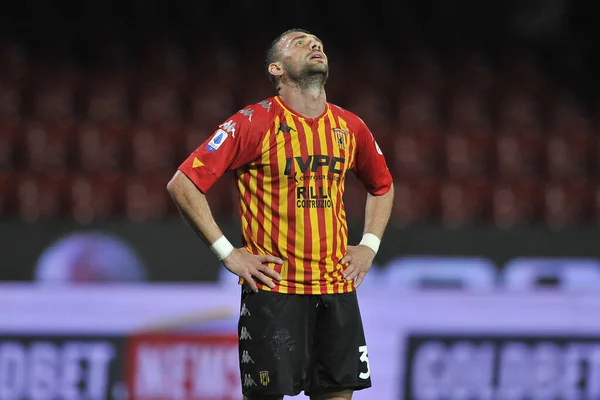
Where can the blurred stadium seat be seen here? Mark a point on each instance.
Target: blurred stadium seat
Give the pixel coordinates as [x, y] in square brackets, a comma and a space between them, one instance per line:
[48, 146]
[101, 147]
[40, 196]
[10, 136]
[145, 197]
[94, 197]
[7, 194]
[470, 138]
[153, 149]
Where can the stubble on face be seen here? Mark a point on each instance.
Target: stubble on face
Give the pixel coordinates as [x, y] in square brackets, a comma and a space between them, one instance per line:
[306, 73]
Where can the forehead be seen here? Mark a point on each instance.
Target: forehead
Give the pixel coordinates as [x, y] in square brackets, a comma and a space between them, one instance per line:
[290, 37]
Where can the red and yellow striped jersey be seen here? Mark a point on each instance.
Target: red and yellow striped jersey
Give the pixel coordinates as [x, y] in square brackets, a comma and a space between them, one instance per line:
[290, 177]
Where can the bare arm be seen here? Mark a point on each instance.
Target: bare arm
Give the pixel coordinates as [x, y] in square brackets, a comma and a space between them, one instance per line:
[377, 214]
[194, 207]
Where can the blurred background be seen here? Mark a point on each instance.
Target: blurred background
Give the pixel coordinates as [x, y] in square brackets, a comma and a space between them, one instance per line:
[487, 113]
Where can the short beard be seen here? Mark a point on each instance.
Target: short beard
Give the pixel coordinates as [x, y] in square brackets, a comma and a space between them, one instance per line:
[309, 78]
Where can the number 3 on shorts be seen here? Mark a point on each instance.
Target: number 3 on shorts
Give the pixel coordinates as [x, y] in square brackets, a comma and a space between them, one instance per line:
[364, 357]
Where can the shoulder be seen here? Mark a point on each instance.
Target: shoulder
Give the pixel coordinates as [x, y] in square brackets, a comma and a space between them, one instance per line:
[258, 113]
[354, 121]
[250, 121]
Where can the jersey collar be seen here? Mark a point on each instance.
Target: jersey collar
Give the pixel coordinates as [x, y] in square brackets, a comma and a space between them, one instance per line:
[297, 114]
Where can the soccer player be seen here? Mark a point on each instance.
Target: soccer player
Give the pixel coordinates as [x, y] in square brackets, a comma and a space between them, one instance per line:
[300, 327]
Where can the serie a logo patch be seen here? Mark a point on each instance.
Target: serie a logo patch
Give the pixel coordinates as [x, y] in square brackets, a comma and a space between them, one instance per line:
[216, 141]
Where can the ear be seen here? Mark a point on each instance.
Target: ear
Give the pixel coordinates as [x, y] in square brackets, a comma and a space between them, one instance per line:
[275, 69]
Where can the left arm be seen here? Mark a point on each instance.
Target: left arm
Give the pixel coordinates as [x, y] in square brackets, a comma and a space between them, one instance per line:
[372, 170]
[377, 214]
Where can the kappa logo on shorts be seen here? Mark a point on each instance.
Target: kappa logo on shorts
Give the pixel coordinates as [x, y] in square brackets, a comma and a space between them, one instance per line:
[246, 359]
[244, 334]
[264, 378]
[248, 381]
[244, 312]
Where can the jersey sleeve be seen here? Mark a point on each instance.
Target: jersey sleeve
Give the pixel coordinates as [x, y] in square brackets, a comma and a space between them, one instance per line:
[370, 166]
[232, 145]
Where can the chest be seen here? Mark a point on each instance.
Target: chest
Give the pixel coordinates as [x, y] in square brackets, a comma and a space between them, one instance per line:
[296, 146]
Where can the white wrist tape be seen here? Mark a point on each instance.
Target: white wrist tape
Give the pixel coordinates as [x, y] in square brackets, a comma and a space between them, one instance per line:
[222, 247]
[371, 241]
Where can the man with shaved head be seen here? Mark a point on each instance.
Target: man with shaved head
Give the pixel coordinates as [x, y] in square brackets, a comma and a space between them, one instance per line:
[300, 327]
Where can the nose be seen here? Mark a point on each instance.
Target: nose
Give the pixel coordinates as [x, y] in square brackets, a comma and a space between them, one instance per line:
[315, 45]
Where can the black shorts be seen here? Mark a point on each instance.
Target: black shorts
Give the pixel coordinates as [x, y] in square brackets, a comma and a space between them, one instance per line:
[289, 343]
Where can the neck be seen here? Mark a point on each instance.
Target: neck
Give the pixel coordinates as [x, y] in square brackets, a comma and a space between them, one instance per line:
[309, 101]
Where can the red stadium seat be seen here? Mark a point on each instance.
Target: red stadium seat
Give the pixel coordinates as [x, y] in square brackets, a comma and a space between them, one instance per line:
[417, 155]
[370, 105]
[517, 157]
[10, 99]
[404, 211]
[467, 157]
[159, 103]
[223, 197]
[595, 204]
[48, 146]
[506, 206]
[10, 135]
[518, 115]
[152, 150]
[94, 197]
[212, 104]
[567, 156]
[355, 197]
[515, 203]
[107, 100]
[54, 97]
[416, 201]
[417, 113]
[101, 147]
[39, 196]
[7, 193]
[463, 203]
[565, 203]
[468, 113]
[146, 197]
[195, 135]
[454, 203]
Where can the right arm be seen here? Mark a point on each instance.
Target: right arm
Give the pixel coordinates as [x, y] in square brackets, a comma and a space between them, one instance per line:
[194, 207]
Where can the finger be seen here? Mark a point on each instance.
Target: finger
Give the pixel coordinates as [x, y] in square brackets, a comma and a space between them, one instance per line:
[347, 258]
[264, 279]
[348, 271]
[270, 272]
[269, 259]
[359, 279]
[248, 280]
[353, 275]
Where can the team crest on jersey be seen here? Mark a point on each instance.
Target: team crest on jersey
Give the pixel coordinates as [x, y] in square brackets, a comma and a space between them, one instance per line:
[340, 136]
[264, 378]
[216, 141]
